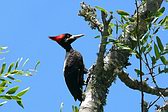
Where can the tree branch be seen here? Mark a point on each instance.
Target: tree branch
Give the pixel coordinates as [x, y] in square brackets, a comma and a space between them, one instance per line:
[114, 61]
[136, 85]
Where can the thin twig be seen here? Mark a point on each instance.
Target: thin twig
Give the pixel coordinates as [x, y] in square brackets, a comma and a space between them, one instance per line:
[140, 60]
[153, 103]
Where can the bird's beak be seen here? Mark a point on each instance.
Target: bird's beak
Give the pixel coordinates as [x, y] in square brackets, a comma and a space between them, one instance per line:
[50, 37]
[76, 36]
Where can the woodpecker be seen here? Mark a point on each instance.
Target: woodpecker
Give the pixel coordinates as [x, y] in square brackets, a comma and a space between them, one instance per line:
[74, 68]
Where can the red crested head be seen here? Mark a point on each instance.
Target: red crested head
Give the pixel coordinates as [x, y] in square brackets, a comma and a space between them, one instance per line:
[57, 38]
[65, 40]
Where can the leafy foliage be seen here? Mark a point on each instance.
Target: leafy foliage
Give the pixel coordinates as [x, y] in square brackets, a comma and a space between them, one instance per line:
[7, 78]
[151, 50]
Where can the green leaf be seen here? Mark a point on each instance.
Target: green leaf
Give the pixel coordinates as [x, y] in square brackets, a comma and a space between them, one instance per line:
[124, 18]
[157, 54]
[160, 12]
[156, 30]
[3, 83]
[20, 103]
[117, 27]
[101, 9]
[149, 47]
[21, 93]
[153, 60]
[112, 25]
[2, 103]
[19, 72]
[38, 63]
[160, 45]
[5, 97]
[98, 36]
[131, 19]
[10, 67]
[3, 68]
[143, 49]
[138, 72]
[10, 77]
[144, 39]
[17, 98]
[125, 48]
[123, 13]
[12, 90]
[3, 48]
[2, 89]
[162, 21]
[163, 59]
[17, 63]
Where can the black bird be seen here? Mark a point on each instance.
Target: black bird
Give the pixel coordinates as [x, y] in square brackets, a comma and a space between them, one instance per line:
[74, 68]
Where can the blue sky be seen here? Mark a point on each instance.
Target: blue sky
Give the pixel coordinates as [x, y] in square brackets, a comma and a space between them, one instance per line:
[25, 26]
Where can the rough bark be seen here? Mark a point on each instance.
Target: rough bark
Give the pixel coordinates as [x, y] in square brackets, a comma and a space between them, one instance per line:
[104, 72]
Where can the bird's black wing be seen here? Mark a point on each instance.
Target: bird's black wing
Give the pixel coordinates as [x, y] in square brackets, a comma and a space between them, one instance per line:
[73, 73]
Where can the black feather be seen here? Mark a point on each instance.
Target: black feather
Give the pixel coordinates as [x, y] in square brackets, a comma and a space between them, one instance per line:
[73, 73]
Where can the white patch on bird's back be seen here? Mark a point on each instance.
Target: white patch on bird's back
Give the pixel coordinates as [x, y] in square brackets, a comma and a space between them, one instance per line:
[66, 56]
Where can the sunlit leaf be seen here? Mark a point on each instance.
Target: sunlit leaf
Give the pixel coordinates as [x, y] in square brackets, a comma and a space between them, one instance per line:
[2, 103]
[17, 64]
[3, 48]
[157, 54]
[17, 98]
[101, 9]
[162, 21]
[5, 97]
[10, 67]
[121, 12]
[12, 90]
[21, 93]
[3, 86]
[3, 68]
[160, 12]
[3, 83]
[144, 39]
[112, 25]
[2, 89]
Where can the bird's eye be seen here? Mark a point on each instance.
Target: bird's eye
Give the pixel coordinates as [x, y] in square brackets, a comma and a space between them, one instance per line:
[68, 36]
